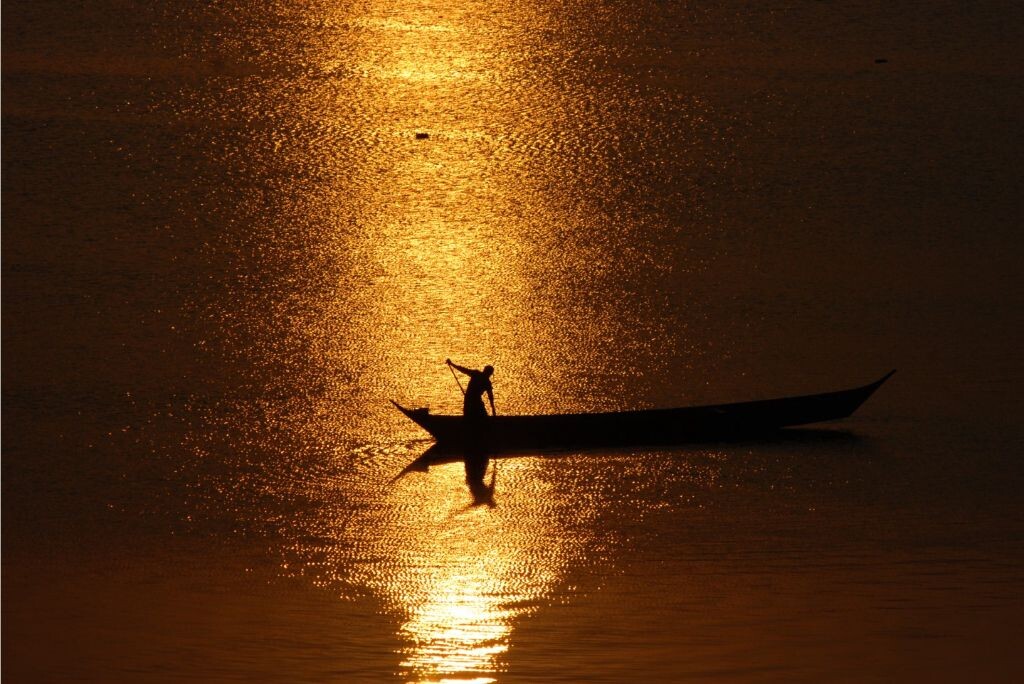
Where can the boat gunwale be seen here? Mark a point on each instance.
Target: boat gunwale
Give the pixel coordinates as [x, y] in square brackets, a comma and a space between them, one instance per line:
[867, 390]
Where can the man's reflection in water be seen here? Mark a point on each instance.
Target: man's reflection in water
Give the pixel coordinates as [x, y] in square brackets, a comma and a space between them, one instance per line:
[476, 461]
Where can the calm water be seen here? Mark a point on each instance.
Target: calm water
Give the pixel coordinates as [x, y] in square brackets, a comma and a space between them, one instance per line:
[232, 231]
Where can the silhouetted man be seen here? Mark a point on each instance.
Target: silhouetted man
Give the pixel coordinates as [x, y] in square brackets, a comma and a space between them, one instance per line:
[473, 408]
[475, 435]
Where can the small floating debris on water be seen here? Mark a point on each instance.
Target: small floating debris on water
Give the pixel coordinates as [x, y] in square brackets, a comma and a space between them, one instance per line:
[881, 60]
[422, 136]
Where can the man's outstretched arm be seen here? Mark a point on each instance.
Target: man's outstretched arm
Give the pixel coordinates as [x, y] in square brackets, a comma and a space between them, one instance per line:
[464, 371]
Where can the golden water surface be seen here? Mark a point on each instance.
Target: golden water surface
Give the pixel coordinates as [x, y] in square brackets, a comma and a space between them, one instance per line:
[414, 154]
[234, 231]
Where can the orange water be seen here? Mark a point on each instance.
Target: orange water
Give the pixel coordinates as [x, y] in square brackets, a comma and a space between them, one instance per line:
[228, 242]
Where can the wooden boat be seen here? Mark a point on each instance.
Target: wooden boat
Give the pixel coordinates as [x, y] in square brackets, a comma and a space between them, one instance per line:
[656, 426]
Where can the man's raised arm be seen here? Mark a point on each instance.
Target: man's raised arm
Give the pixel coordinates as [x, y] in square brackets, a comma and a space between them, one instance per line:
[464, 371]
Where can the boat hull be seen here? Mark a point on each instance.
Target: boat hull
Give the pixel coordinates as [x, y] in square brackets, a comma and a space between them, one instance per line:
[657, 426]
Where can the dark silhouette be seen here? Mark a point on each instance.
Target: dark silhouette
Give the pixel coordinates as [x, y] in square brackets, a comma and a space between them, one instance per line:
[473, 400]
[476, 468]
[475, 433]
[720, 422]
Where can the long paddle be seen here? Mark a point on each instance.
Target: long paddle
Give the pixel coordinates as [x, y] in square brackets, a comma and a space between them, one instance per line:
[457, 381]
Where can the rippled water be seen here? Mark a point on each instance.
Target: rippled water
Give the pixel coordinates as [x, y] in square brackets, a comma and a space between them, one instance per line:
[234, 231]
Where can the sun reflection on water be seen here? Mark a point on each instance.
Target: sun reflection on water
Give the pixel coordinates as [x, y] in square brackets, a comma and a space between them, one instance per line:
[449, 255]
[423, 210]
[459, 624]
[460, 575]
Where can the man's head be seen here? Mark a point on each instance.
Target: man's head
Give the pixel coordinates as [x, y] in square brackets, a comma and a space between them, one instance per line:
[488, 371]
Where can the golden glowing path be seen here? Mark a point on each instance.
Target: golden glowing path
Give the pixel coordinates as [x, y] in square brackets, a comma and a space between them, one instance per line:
[462, 575]
[438, 225]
